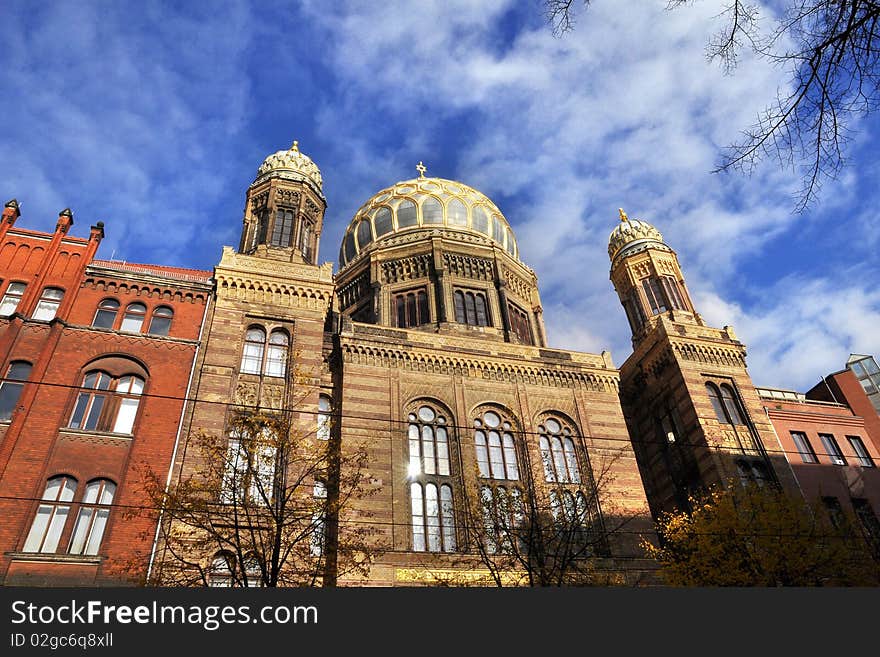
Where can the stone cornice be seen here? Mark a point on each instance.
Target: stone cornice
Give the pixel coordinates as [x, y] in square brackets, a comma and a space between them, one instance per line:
[512, 363]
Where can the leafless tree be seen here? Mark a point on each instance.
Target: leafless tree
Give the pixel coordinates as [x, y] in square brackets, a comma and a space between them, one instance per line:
[829, 48]
[261, 507]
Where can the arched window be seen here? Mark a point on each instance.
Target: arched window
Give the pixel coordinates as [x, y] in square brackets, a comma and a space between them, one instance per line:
[324, 408]
[105, 317]
[10, 388]
[519, 323]
[220, 573]
[51, 516]
[558, 452]
[725, 403]
[133, 319]
[717, 406]
[254, 347]
[480, 220]
[92, 517]
[305, 240]
[731, 405]
[106, 403]
[319, 515]
[364, 235]
[276, 355]
[48, 304]
[382, 222]
[471, 308]
[411, 308]
[456, 213]
[496, 447]
[11, 298]
[430, 471]
[406, 214]
[160, 323]
[432, 211]
[673, 292]
[656, 300]
[282, 231]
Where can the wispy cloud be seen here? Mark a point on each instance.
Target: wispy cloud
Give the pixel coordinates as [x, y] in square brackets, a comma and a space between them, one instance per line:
[155, 120]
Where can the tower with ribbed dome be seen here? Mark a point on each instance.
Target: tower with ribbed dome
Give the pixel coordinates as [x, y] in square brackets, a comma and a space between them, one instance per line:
[284, 209]
[694, 416]
[438, 255]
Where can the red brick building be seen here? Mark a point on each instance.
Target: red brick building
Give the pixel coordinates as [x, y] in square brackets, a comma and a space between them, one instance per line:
[96, 359]
[830, 451]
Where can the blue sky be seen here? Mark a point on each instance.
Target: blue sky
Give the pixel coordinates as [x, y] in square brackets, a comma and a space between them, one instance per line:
[153, 117]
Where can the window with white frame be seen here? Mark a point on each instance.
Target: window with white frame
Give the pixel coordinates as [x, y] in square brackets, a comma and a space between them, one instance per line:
[91, 521]
[51, 516]
[48, 304]
[431, 475]
[107, 403]
[11, 298]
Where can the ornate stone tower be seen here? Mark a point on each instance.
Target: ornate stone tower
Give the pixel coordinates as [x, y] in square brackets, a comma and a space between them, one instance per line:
[284, 211]
[692, 410]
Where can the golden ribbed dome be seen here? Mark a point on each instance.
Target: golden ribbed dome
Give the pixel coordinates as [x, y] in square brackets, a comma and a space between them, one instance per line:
[629, 231]
[425, 203]
[291, 164]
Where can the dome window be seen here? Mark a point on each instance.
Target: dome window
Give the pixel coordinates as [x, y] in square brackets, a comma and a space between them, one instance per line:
[481, 221]
[382, 222]
[432, 212]
[349, 248]
[497, 229]
[406, 214]
[364, 235]
[456, 213]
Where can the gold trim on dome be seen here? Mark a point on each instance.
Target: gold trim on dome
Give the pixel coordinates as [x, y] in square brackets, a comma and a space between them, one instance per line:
[292, 160]
[628, 231]
[425, 203]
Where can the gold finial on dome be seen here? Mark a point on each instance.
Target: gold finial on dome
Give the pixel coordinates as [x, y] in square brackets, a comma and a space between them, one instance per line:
[421, 168]
[295, 147]
[623, 216]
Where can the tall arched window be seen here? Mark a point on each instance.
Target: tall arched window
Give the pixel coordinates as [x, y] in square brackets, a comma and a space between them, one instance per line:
[48, 524]
[91, 521]
[106, 403]
[48, 304]
[305, 240]
[430, 471]
[319, 518]
[220, 573]
[254, 347]
[471, 308]
[276, 355]
[324, 407]
[160, 323]
[717, 406]
[731, 404]
[10, 388]
[725, 403]
[558, 453]
[496, 447]
[519, 323]
[105, 316]
[411, 308]
[133, 319]
[282, 231]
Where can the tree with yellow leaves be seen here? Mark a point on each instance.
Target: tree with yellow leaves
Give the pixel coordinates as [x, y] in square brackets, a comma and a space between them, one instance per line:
[761, 536]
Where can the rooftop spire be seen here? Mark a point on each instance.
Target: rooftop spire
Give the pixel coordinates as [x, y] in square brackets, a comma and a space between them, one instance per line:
[421, 168]
[623, 216]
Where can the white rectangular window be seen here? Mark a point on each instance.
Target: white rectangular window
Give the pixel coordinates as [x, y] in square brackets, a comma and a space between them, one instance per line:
[10, 300]
[48, 304]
